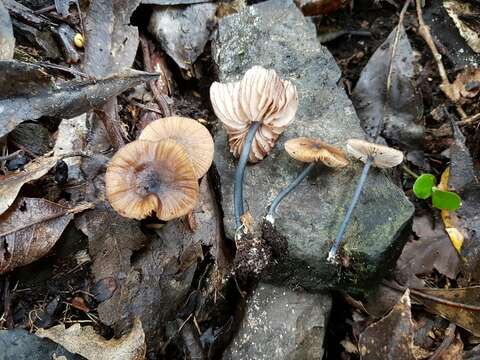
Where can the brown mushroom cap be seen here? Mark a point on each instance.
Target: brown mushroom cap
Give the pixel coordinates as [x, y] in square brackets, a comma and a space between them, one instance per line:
[310, 150]
[383, 156]
[189, 133]
[260, 96]
[145, 176]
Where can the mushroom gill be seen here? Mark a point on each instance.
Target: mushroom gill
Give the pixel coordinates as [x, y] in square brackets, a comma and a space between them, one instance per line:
[145, 177]
[260, 96]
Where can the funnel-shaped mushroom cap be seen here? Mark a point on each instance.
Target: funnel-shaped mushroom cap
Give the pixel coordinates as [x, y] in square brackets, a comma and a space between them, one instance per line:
[260, 96]
[145, 176]
[383, 156]
[192, 135]
[309, 150]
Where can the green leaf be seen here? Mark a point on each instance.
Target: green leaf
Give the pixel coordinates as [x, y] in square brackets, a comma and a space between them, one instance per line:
[446, 200]
[423, 186]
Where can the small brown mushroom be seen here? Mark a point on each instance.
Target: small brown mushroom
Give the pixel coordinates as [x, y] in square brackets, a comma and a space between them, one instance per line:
[189, 133]
[254, 111]
[309, 151]
[261, 96]
[380, 156]
[145, 177]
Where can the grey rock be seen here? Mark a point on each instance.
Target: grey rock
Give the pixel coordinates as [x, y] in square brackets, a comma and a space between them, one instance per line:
[19, 344]
[281, 324]
[7, 40]
[276, 35]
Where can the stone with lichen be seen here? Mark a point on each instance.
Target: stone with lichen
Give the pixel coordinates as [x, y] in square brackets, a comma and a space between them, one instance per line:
[276, 35]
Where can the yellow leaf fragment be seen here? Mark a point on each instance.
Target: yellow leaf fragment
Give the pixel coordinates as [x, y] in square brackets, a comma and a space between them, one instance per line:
[455, 235]
[86, 342]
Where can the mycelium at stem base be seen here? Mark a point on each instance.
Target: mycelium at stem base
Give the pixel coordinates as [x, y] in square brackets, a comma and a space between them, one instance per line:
[332, 254]
[240, 174]
[273, 207]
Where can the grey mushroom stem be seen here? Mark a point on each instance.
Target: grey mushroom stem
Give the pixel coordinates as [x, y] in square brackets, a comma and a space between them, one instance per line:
[332, 254]
[273, 207]
[240, 174]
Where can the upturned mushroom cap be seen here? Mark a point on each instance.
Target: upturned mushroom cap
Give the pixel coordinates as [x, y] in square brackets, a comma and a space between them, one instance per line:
[189, 133]
[143, 177]
[260, 96]
[309, 150]
[383, 156]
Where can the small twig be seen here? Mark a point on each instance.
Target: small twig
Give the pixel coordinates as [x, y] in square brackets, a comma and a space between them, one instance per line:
[157, 95]
[164, 347]
[409, 171]
[445, 86]
[447, 341]
[143, 106]
[44, 9]
[11, 156]
[112, 127]
[64, 68]
[420, 294]
[469, 120]
[7, 310]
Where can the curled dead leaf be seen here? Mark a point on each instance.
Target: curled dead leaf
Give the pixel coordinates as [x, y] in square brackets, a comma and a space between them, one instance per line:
[30, 228]
[390, 336]
[467, 83]
[86, 342]
[461, 305]
[465, 15]
[11, 184]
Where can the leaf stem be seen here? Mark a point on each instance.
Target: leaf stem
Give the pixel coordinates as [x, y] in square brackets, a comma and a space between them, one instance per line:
[409, 171]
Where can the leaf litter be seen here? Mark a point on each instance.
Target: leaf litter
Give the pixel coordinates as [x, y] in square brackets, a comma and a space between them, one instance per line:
[30, 228]
[162, 273]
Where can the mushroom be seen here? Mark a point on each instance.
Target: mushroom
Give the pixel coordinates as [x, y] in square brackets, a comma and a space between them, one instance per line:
[371, 154]
[189, 133]
[311, 151]
[254, 111]
[145, 177]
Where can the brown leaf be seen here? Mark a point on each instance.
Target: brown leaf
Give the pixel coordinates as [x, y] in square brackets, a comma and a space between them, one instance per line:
[400, 109]
[30, 228]
[11, 184]
[465, 16]
[390, 336]
[467, 83]
[112, 240]
[86, 342]
[55, 97]
[432, 251]
[461, 306]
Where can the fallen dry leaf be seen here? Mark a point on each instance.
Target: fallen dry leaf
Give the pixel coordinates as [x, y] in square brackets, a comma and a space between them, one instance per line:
[47, 95]
[449, 218]
[460, 11]
[183, 31]
[11, 184]
[86, 342]
[400, 110]
[467, 83]
[390, 336]
[461, 305]
[72, 137]
[30, 228]
[432, 251]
